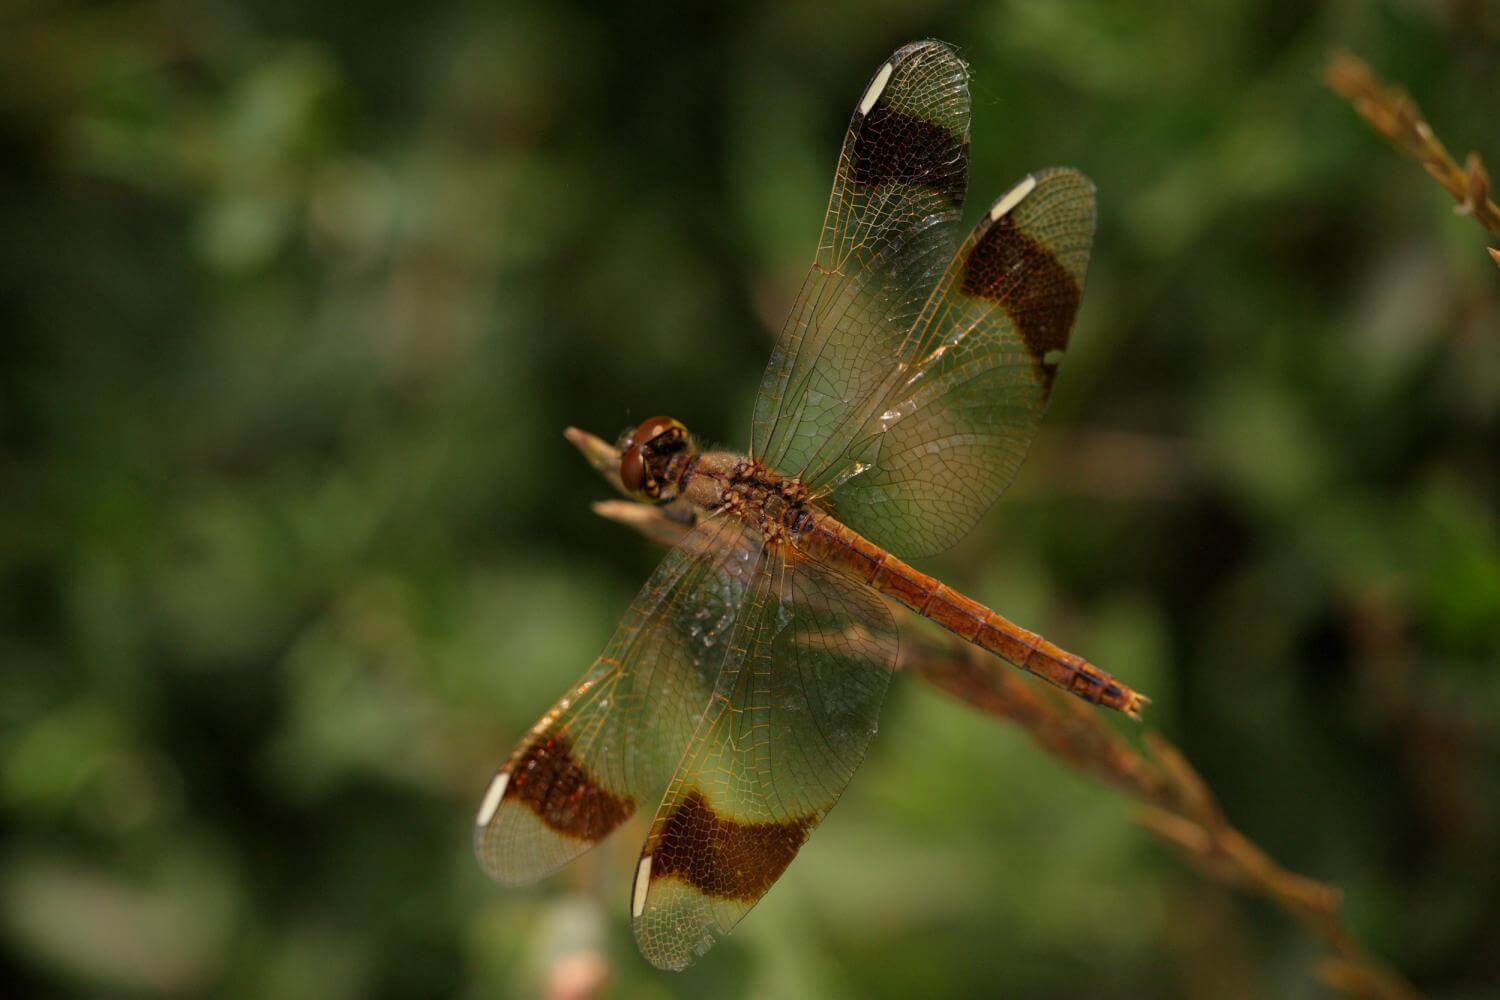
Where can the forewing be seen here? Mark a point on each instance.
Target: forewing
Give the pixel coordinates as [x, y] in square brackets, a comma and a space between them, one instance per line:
[797, 702]
[612, 741]
[947, 434]
[888, 233]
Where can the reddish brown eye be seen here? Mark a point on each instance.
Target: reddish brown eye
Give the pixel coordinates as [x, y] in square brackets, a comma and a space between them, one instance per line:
[632, 469]
[651, 429]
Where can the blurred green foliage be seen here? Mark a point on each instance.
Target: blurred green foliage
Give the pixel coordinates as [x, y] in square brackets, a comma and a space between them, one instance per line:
[297, 298]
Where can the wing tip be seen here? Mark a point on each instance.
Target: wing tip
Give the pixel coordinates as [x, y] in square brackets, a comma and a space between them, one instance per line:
[903, 55]
[1043, 179]
[679, 927]
[926, 44]
[1059, 174]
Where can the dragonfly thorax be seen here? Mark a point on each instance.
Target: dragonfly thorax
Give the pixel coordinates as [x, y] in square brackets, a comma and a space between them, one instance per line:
[725, 483]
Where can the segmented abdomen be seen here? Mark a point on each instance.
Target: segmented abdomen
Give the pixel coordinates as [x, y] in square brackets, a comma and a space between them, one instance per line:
[828, 540]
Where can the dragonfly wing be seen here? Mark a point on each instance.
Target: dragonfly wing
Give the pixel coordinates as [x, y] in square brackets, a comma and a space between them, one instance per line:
[947, 434]
[887, 235]
[797, 702]
[612, 741]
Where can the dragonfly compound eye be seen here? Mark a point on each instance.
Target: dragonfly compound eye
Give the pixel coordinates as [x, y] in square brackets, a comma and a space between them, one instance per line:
[632, 469]
[661, 434]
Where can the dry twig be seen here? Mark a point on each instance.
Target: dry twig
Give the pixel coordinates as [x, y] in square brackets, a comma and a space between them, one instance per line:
[1174, 802]
[1392, 112]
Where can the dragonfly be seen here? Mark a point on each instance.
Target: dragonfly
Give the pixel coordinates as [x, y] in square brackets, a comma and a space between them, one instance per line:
[742, 688]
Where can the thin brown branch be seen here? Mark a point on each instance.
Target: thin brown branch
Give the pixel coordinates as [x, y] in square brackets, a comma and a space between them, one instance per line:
[1392, 112]
[1065, 727]
[1175, 803]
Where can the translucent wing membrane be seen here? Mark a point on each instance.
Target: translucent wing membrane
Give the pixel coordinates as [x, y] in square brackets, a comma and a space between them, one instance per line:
[611, 742]
[887, 235]
[793, 712]
[945, 434]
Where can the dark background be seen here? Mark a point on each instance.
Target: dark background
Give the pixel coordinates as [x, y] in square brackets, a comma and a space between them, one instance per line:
[296, 299]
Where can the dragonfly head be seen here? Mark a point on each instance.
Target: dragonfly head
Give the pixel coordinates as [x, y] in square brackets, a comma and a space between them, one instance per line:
[653, 457]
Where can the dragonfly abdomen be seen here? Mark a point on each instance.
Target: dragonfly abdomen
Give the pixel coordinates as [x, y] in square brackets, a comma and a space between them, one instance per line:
[832, 542]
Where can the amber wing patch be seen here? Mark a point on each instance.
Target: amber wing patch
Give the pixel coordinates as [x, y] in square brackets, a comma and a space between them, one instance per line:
[889, 230]
[1015, 269]
[547, 779]
[611, 742]
[722, 857]
[793, 712]
[948, 431]
[894, 147]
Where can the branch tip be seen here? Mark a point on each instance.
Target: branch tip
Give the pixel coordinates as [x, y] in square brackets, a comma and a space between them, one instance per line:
[1390, 111]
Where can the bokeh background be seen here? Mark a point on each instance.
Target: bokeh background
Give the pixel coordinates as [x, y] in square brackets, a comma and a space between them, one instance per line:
[296, 299]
